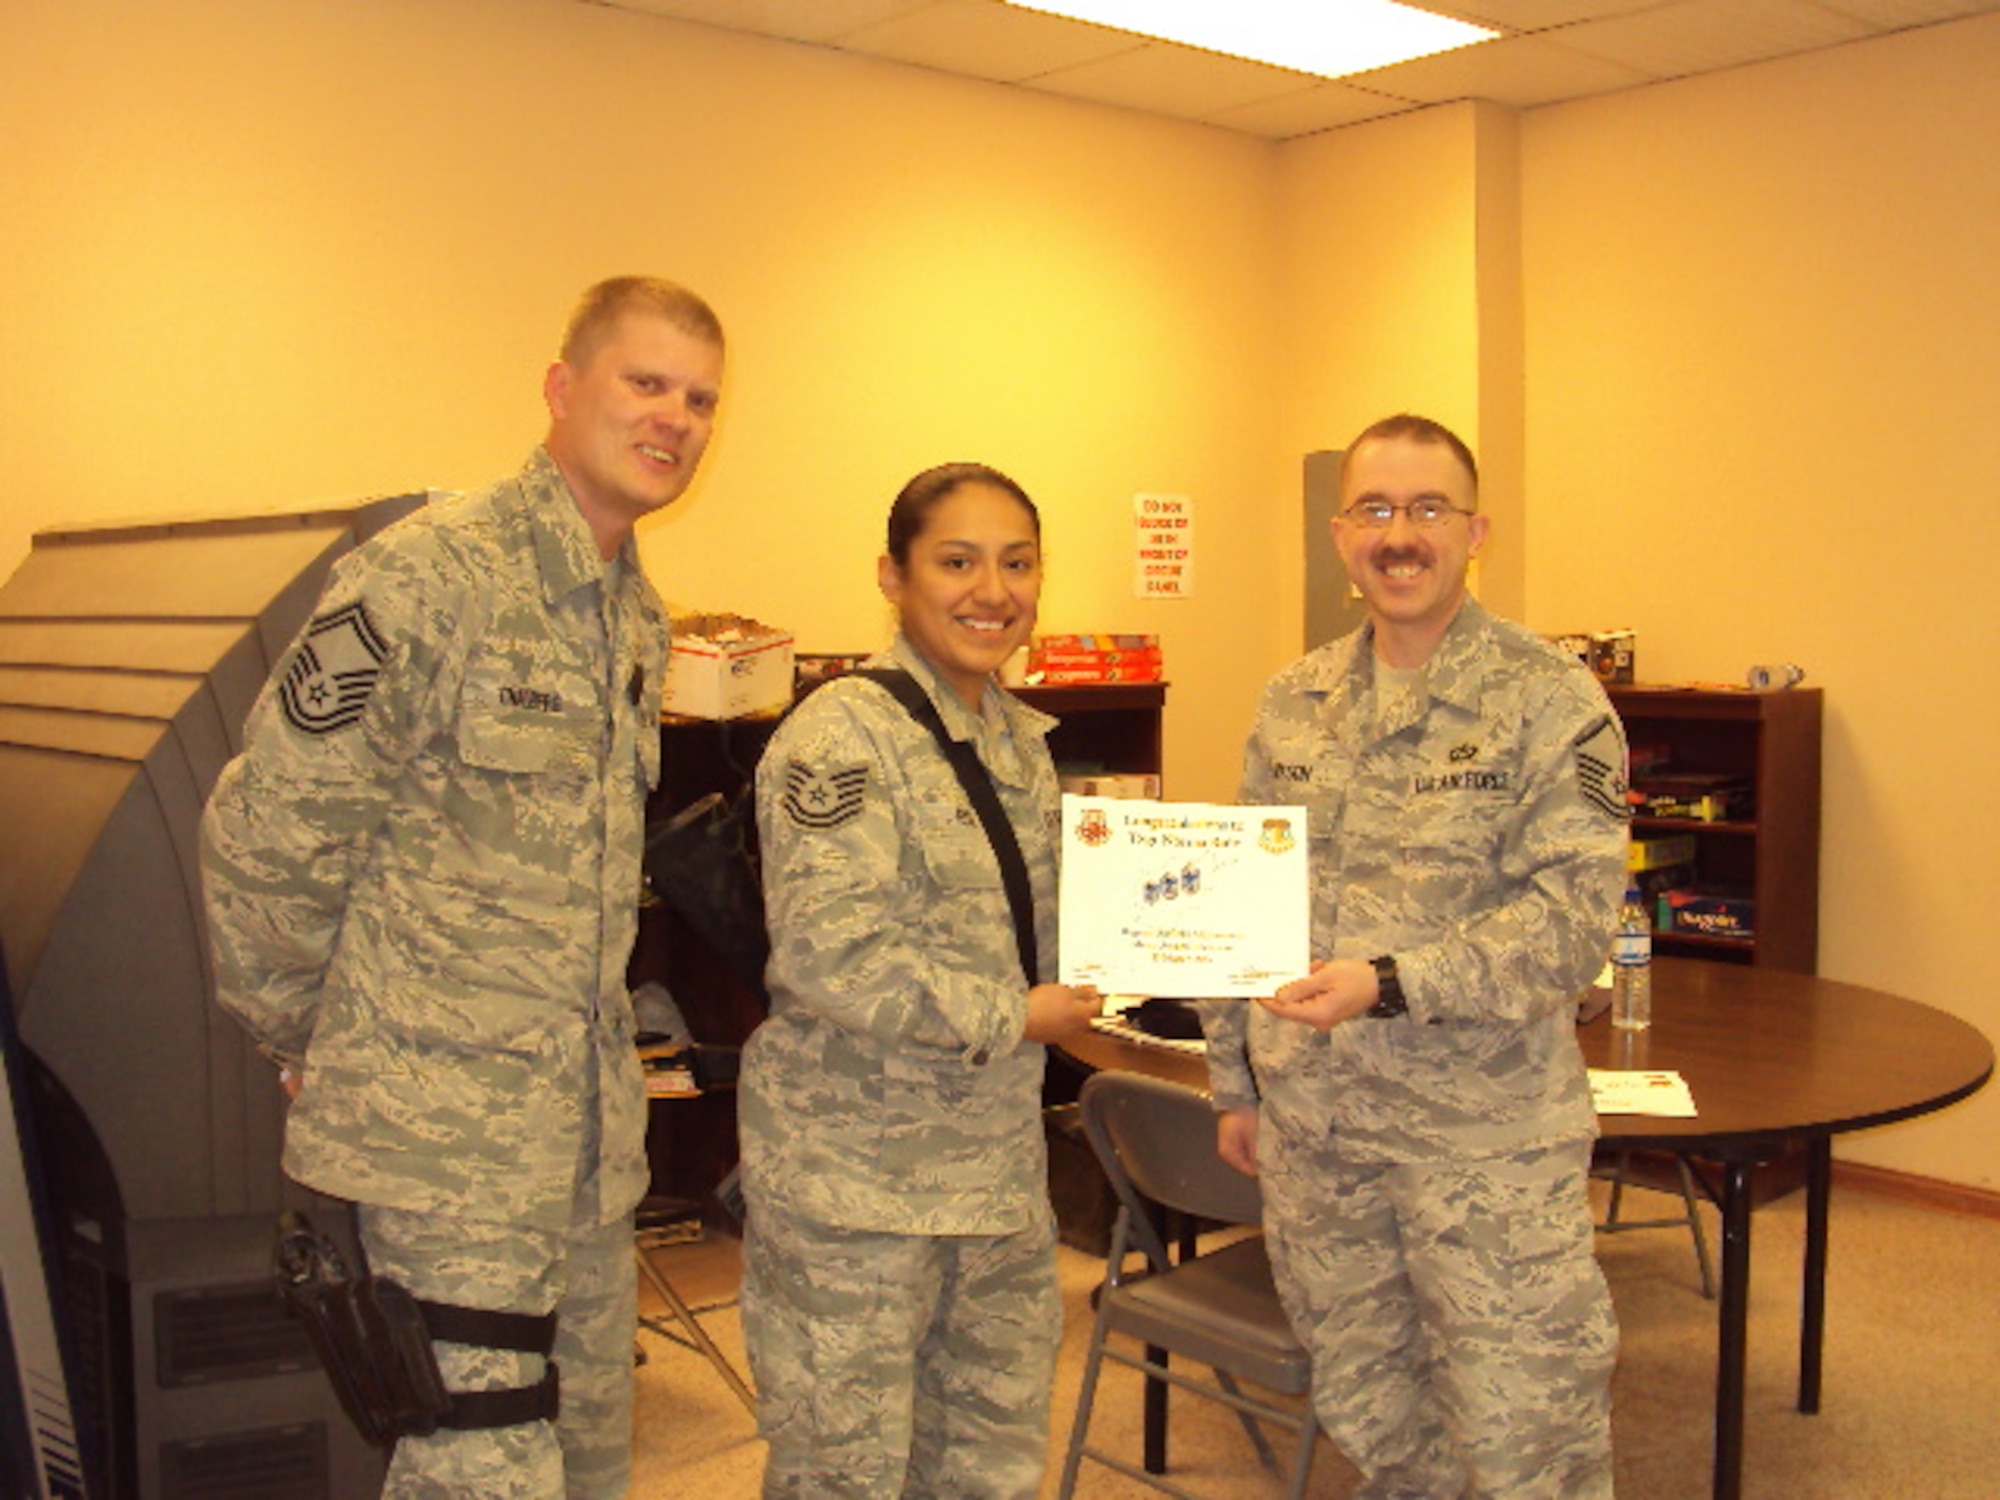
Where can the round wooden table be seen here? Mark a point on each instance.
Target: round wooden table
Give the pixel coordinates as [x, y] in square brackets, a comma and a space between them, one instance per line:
[1776, 1062]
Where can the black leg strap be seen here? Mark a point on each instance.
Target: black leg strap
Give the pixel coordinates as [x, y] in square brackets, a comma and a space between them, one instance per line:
[509, 1408]
[525, 1333]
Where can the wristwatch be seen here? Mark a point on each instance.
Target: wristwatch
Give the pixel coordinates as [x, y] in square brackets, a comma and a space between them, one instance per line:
[1389, 999]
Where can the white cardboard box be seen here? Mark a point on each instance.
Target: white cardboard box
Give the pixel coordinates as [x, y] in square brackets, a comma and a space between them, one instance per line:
[725, 679]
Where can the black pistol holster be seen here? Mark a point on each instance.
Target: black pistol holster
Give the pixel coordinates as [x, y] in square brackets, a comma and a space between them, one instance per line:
[374, 1340]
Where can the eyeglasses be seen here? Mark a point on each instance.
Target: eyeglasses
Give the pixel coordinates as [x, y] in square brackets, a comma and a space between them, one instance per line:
[1376, 515]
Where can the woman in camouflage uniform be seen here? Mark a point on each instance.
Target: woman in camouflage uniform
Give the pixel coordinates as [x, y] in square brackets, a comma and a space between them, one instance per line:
[899, 1293]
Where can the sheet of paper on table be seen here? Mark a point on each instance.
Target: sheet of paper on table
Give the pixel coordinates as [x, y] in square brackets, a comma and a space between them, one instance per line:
[1641, 1092]
[1122, 1028]
[1183, 900]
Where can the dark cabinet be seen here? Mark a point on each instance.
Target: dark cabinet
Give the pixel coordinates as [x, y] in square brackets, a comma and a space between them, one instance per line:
[1114, 728]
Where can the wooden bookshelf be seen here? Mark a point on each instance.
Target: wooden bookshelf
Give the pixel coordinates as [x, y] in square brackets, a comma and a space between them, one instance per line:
[1772, 740]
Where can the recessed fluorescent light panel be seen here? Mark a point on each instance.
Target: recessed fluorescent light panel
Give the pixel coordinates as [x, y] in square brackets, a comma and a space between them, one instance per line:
[1326, 37]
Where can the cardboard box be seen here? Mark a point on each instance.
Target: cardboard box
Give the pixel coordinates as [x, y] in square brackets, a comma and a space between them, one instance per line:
[1654, 853]
[1090, 676]
[1074, 660]
[1044, 657]
[724, 666]
[1701, 797]
[1575, 642]
[1095, 643]
[1712, 912]
[1612, 654]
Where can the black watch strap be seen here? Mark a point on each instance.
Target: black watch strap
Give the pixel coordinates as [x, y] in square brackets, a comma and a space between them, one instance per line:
[1389, 999]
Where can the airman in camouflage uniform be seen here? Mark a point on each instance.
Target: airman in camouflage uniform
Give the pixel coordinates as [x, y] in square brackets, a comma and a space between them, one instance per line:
[422, 878]
[899, 1297]
[1424, 1168]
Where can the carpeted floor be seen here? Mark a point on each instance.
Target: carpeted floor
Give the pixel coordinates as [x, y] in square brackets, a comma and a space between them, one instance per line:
[1912, 1362]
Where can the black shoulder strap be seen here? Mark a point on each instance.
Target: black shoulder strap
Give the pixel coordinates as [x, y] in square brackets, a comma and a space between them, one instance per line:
[978, 784]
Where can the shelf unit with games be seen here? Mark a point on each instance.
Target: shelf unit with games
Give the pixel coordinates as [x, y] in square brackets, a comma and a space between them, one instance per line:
[1771, 741]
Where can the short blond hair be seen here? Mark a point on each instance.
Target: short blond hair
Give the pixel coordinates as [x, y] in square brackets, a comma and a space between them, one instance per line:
[604, 304]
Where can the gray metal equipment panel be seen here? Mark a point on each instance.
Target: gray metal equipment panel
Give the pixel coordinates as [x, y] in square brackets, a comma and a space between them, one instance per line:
[1332, 607]
[129, 657]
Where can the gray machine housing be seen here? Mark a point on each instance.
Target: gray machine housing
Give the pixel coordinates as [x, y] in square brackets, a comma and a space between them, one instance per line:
[130, 656]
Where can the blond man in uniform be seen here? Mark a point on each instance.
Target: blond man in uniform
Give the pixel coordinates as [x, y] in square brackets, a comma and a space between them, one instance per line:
[422, 877]
[1417, 1107]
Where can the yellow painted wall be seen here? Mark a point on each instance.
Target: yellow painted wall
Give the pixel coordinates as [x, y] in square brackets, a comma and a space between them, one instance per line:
[1401, 293]
[1735, 396]
[1763, 358]
[260, 254]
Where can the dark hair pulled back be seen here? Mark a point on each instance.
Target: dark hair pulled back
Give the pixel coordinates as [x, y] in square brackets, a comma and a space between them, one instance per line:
[923, 494]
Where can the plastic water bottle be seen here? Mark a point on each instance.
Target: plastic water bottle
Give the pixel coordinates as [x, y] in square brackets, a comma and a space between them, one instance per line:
[1632, 966]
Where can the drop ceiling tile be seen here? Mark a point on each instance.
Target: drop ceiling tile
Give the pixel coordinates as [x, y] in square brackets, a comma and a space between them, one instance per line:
[1534, 15]
[798, 20]
[1707, 36]
[1894, 15]
[1554, 50]
[1173, 80]
[987, 40]
[1324, 106]
[1522, 71]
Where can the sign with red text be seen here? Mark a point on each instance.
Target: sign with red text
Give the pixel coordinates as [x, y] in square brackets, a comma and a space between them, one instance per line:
[1163, 527]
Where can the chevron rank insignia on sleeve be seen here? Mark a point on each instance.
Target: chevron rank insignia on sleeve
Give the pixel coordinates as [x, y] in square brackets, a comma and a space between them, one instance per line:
[333, 671]
[1600, 769]
[823, 799]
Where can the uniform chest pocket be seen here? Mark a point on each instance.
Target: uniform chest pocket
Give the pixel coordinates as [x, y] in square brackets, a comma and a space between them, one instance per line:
[522, 713]
[955, 850]
[518, 743]
[1451, 847]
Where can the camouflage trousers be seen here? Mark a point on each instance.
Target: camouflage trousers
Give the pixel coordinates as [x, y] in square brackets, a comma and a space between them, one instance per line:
[1462, 1334]
[901, 1365]
[589, 1277]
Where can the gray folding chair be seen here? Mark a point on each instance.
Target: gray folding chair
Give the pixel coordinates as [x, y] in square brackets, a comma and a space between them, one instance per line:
[654, 1227]
[1622, 1170]
[1156, 1141]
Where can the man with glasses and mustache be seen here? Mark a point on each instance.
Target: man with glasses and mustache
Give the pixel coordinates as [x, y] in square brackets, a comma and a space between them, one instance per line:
[1416, 1107]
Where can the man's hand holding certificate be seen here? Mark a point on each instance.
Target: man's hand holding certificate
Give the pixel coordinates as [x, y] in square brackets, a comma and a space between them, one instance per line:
[1183, 900]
